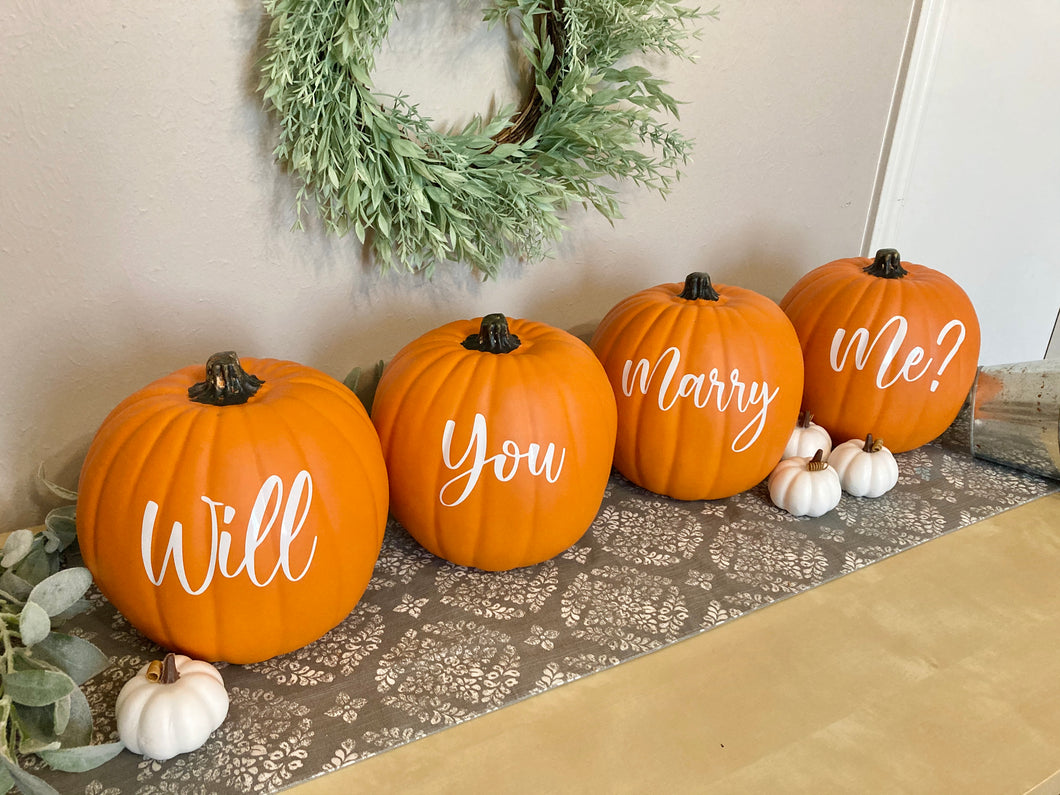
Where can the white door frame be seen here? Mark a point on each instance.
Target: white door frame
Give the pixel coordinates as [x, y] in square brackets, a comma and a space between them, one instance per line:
[898, 154]
[926, 25]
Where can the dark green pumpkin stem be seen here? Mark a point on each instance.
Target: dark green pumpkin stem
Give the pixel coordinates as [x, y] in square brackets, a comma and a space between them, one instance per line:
[226, 384]
[493, 336]
[697, 285]
[887, 265]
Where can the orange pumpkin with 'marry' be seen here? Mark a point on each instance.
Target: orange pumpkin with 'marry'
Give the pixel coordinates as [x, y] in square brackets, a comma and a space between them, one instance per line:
[708, 380]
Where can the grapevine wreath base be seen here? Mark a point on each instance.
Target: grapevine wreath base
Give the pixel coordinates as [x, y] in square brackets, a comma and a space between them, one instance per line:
[414, 196]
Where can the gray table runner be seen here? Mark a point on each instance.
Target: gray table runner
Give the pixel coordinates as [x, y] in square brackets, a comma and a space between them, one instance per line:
[432, 644]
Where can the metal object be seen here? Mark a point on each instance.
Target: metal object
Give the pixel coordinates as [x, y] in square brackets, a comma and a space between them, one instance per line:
[1016, 416]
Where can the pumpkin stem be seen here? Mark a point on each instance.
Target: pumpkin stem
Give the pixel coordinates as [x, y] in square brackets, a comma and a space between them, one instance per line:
[163, 672]
[226, 384]
[872, 445]
[493, 336]
[887, 265]
[817, 463]
[805, 419]
[697, 285]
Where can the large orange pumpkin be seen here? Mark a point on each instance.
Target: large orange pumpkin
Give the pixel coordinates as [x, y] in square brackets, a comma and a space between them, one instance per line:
[891, 348]
[235, 518]
[708, 380]
[498, 438]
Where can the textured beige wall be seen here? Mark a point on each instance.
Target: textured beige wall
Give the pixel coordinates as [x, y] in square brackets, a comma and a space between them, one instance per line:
[143, 224]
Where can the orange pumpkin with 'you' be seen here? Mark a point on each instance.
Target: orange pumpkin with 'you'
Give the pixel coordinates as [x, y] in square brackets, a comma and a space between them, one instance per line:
[498, 437]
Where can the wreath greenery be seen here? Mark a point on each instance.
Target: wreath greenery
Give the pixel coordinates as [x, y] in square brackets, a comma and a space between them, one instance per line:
[415, 196]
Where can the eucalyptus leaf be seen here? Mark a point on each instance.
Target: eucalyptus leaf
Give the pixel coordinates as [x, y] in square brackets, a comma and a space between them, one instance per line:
[29, 745]
[36, 566]
[23, 659]
[16, 547]
[11, 583]
[77, 608]
[52, 542]
[55, 488]
[78, 729]
[61, 590]
[80, 659]
[61, 524]
[80, 759]
[37, 688]
[28, 783]
[42, 710]
[33, 624]
[61, 710]
[68, 721]
[36, 722]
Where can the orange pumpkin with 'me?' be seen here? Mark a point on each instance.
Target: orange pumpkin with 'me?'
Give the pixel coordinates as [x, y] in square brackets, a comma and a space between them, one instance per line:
[891, 348]
[237, 517]
[708, 380]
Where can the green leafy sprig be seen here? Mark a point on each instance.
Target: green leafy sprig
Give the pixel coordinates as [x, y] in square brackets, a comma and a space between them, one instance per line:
[415, 197]
[42, 708]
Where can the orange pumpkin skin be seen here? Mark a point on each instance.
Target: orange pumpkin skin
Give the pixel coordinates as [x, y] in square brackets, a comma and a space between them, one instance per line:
[681, 432]
[496, 460]
[887, 354]
[303, 448]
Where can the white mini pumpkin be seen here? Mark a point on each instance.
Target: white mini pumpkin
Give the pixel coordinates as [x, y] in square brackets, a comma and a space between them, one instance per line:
[171, 707]
[805, 486]
[866, 468]
[807, 438]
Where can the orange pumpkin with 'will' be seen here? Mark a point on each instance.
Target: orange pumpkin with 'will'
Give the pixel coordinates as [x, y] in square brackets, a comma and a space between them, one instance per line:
[708, 380]
[237, 517]
[498, 436]
[891, 348]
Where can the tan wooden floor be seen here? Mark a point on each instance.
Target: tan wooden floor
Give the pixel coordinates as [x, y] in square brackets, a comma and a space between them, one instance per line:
[935, 671]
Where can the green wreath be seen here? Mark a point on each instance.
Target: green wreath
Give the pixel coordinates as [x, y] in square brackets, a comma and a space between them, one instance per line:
[416, 197]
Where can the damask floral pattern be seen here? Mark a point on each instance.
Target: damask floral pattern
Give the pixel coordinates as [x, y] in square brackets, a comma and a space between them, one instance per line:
[502, 595]
[432, 644]
[623, 608]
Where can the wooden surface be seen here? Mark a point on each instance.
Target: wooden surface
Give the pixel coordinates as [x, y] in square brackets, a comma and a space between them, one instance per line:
[934, 671]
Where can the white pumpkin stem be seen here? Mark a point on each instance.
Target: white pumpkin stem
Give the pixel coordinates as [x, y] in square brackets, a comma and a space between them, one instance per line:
[872, 445]
[817, 463]
[805, 419]
[163, 672]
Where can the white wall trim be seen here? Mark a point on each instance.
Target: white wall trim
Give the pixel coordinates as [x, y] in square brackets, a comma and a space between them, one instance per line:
[899, 156]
